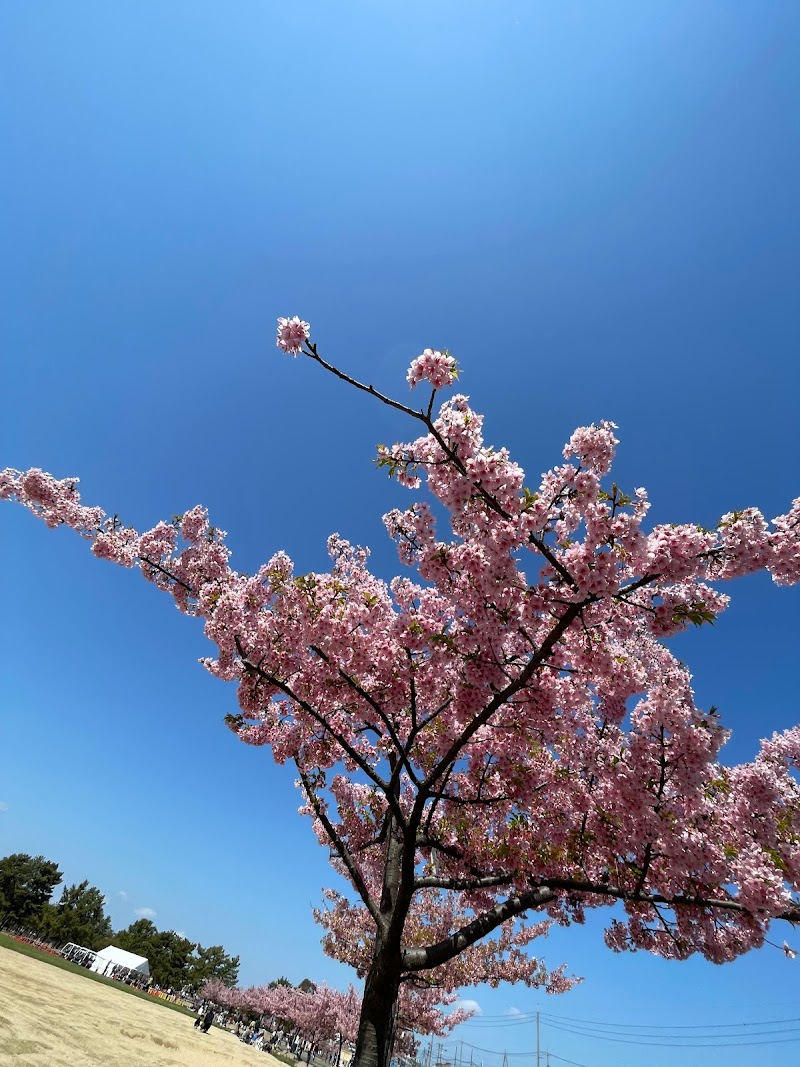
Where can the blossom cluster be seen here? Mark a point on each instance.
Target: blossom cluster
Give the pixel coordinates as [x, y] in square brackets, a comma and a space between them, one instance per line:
[322, 1013]
[292, 333]
[438, 368]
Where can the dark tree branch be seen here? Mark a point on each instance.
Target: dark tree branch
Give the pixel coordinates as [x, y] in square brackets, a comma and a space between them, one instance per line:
[415, 959]
[357, 758]
[541, 546]
[680, 900]
[311, 351]
[467, 801]
[167, 574]
[373, 703]
[501, 698]
[341, 848]
[464, 885]
[421, 959]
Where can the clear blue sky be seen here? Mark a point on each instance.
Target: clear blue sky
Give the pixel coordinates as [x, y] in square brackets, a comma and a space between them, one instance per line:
[593, 205]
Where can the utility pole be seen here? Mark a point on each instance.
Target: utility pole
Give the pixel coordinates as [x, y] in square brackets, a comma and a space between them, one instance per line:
[538, 1060]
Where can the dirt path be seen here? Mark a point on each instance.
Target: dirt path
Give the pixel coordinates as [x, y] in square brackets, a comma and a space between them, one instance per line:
[51, 1018]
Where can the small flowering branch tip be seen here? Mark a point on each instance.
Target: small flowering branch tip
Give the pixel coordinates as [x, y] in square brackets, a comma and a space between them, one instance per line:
[438, 368]
[292, 333]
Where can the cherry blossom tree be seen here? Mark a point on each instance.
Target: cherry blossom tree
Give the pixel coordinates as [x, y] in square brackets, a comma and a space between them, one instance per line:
[321, 1015]
[216, 990]
[325, 1015]
[499, 738]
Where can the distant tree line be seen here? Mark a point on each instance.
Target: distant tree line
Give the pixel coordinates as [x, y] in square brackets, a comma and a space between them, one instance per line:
[27, 884]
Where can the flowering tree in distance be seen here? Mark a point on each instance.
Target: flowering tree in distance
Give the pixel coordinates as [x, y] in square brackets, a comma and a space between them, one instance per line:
[501, 735]
[319, 1014]
[322, 1014]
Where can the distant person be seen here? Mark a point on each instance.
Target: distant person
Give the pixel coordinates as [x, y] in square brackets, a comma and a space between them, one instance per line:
[208, 1019]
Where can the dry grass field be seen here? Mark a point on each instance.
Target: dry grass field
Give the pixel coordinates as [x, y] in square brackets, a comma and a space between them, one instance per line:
[52, 1018]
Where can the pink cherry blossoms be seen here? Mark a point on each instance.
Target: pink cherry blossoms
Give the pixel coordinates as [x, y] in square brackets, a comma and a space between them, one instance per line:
[292, 333]
[324, 1015]
[438, 368]
[498, 739]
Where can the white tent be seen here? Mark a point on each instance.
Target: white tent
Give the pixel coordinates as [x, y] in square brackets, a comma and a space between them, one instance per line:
[111, 957]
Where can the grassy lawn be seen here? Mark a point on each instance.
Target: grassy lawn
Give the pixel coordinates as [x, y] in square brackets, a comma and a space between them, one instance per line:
[65, 965]
[284, 1057]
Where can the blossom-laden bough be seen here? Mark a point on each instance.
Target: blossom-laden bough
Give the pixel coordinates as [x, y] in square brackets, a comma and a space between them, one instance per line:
[499, 739]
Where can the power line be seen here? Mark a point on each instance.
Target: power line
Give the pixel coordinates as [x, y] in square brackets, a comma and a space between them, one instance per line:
[573, 1063]
[728, 1040]
[654, 1035]
[566, 1020]
[494, 1052]
[589, 1031]
[506, 1055]
[665, 1026]
[741, 1040]
[610, 1035]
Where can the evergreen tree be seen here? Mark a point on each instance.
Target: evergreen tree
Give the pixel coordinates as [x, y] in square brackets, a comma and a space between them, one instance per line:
[79, 917]
[210, 963]
[26, 885]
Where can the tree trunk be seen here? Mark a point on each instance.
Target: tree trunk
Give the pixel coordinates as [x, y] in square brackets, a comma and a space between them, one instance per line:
[378, 1013]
